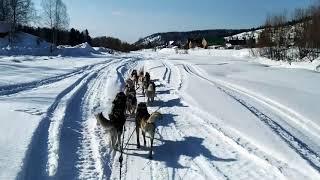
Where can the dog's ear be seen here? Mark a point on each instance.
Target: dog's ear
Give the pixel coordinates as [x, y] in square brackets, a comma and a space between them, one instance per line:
[97, 115]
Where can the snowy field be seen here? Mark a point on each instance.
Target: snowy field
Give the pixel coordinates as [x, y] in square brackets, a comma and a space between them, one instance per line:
[225, 116]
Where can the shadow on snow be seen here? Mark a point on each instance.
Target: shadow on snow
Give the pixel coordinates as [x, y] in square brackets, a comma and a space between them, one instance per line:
[171, 151]
[170, 103]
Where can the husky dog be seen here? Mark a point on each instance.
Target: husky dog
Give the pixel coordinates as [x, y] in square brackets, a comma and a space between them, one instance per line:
[140, 78]
[134, 77]
[115, 135]
[146, 123]
[117, 119]
[145, 85]
[129, 86]
[151, 92]
[147, 77]
[141, 72]
[131, 103]
[129, 83]
[129, 90]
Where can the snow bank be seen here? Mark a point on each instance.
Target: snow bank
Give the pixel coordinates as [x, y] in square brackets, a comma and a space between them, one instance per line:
[313, 66]
[210, 52]
[83, 49]
[104, 50]
[244, 54]
[24, 44]
[27, 44]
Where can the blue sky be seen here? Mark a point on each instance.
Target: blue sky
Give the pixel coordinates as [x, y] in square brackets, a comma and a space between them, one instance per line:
[131, 19]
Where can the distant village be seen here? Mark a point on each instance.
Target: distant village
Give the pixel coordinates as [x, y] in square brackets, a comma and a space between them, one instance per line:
[232, 42]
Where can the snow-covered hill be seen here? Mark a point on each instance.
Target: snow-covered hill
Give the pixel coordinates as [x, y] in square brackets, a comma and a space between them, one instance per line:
[225, 116]
[245, 35]
[161, 39]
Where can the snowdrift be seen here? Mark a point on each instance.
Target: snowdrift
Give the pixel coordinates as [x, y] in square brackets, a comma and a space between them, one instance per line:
[27, 44]
[244, 54]
[210, 52]
[104, 50]
[24, 44]
[83, 49]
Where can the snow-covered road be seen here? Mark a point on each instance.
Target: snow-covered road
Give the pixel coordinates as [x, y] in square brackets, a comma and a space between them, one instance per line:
[224, 117]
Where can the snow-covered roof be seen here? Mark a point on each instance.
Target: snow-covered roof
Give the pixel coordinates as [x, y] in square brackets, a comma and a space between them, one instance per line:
[4, 27]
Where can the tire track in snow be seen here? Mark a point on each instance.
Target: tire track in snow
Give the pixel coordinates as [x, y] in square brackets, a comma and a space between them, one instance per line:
[123, 73]
[230, 140]
[87, 161]
[72, 136]
[56, 126]
[277, 107]
[174, 133]
[92, 161]
[93, 138]
[170, 66]
[34, 166]
[208, 169]
[34, 163]
[241, 144]
[166, 76]
[94, 144]
[295, 143]
[16, 88]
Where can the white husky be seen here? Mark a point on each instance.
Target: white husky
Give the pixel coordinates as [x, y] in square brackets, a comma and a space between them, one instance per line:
[151, 92]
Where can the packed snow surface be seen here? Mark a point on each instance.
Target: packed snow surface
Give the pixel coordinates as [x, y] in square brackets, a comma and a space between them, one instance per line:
[226, 115]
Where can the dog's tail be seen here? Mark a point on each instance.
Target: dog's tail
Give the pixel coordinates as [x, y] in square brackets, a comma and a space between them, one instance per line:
[153, 117]
[102, 120]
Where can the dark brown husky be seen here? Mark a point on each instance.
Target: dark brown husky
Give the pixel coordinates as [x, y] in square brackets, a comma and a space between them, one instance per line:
[117, 119]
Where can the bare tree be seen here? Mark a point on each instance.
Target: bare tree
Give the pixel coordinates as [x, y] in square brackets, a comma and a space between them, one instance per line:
[55, 16]
[20, 12]
[4, 10]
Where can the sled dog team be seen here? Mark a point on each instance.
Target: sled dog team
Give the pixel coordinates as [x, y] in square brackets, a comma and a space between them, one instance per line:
[126, 103]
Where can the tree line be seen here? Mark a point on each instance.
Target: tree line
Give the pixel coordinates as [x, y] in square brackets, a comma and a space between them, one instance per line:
[54, 19]
[62, 37]
[19, 13]
[292, 38]
[115, 43]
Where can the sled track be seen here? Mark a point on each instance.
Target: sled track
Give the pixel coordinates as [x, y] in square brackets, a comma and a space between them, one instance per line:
[210, 129]
[232, 137]
[167, 76]
[85, 158]
[36, 158]
[16, 88]
[296, 144]
[172, 134]
[79, 152]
